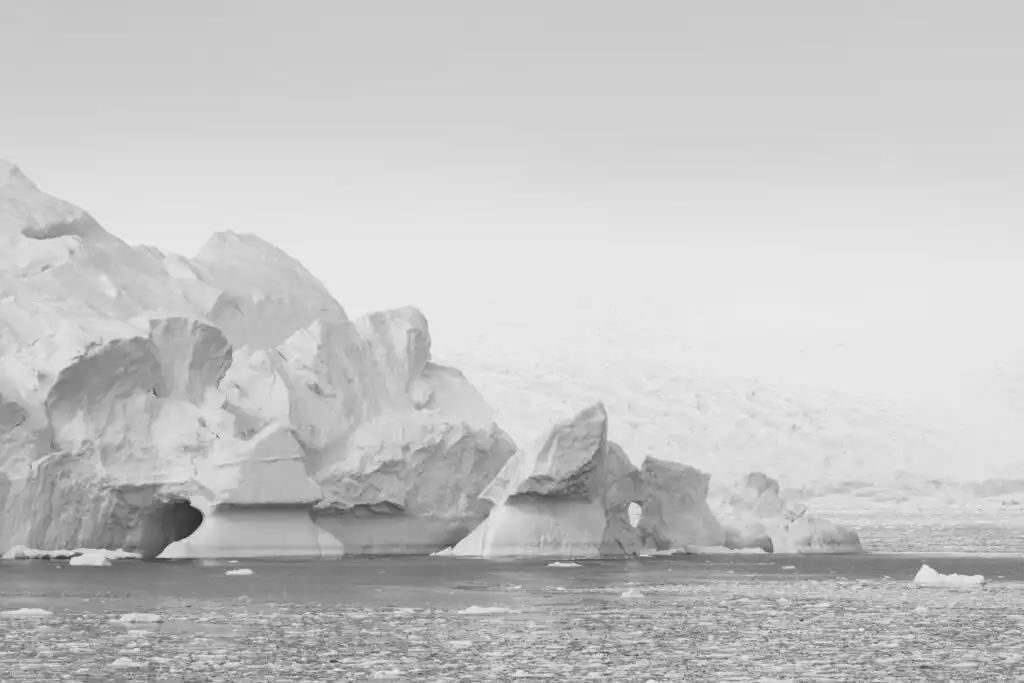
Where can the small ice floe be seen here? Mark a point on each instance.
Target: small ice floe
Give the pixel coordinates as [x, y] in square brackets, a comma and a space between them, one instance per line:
[238, 572]
[790, 566]
[632, 594]
[109, 554]
[929, 578]
[125, 663]
[21, 552]
[26, 612]
[139, 618]
[90, 560]
[563, 564]
[476, 609]
[717, 550]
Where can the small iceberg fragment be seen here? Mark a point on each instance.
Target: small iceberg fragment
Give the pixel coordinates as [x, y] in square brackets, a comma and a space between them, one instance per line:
[109, 554]
[139, 618]
[126, 663]
[632, 594]
[26, 612]
[714, 550]
[238, 572]
[90, 560]
[21, 552]
[929, 578]
[563, 564]
[476, 609]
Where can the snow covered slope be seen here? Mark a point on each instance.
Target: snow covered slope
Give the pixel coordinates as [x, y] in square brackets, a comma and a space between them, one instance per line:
[850, 374]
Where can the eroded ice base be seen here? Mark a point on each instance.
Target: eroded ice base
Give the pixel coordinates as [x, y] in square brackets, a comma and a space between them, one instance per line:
[256, 531]
[538, 528]
[394, 534]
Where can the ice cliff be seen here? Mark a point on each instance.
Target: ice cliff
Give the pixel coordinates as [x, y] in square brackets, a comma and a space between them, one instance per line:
[146, 395]
[567, 496]
[675, 511]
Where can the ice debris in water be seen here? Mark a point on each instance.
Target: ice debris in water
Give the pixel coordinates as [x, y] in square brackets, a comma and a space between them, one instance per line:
[139, 618]
[125, 663]
[632, 594]
[563, 564]
[238, 572]
[26, 612]
[21, 552]
[929, 578]
[476, 609]
[90, 560]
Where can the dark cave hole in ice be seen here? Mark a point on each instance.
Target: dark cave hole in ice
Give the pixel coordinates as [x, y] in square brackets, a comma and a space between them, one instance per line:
[166, 523]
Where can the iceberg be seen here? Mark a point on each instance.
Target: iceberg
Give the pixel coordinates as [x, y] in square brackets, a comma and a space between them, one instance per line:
[221, 405]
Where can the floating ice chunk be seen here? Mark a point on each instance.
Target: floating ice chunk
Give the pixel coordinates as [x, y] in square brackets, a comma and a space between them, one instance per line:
[564, 564]
[929, 578]
[21, 552]
[139, 618]
[90, 560]
[125, 663]
[476, 609]
[109, 554]
[26, 612]
[238, 572]
[632, 594]
[715, 550]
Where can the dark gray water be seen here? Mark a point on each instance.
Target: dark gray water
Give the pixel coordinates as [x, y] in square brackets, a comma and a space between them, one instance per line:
[683, 618]
[446, 582]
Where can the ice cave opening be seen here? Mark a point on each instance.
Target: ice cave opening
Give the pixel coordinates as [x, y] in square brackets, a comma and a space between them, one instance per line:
[166, 523]
[636, 511]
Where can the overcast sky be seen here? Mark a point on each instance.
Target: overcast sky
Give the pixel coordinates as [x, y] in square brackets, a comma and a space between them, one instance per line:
[875, 147]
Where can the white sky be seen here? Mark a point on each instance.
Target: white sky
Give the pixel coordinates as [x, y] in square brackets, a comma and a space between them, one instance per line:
[829, 192]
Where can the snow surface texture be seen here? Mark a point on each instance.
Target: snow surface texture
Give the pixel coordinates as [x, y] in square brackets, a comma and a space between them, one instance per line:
[757, 516]
[929, 578]
[134, 382]
[736, 359]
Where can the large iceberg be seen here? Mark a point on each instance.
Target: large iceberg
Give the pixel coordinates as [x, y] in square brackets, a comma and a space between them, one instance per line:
[223, 405]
